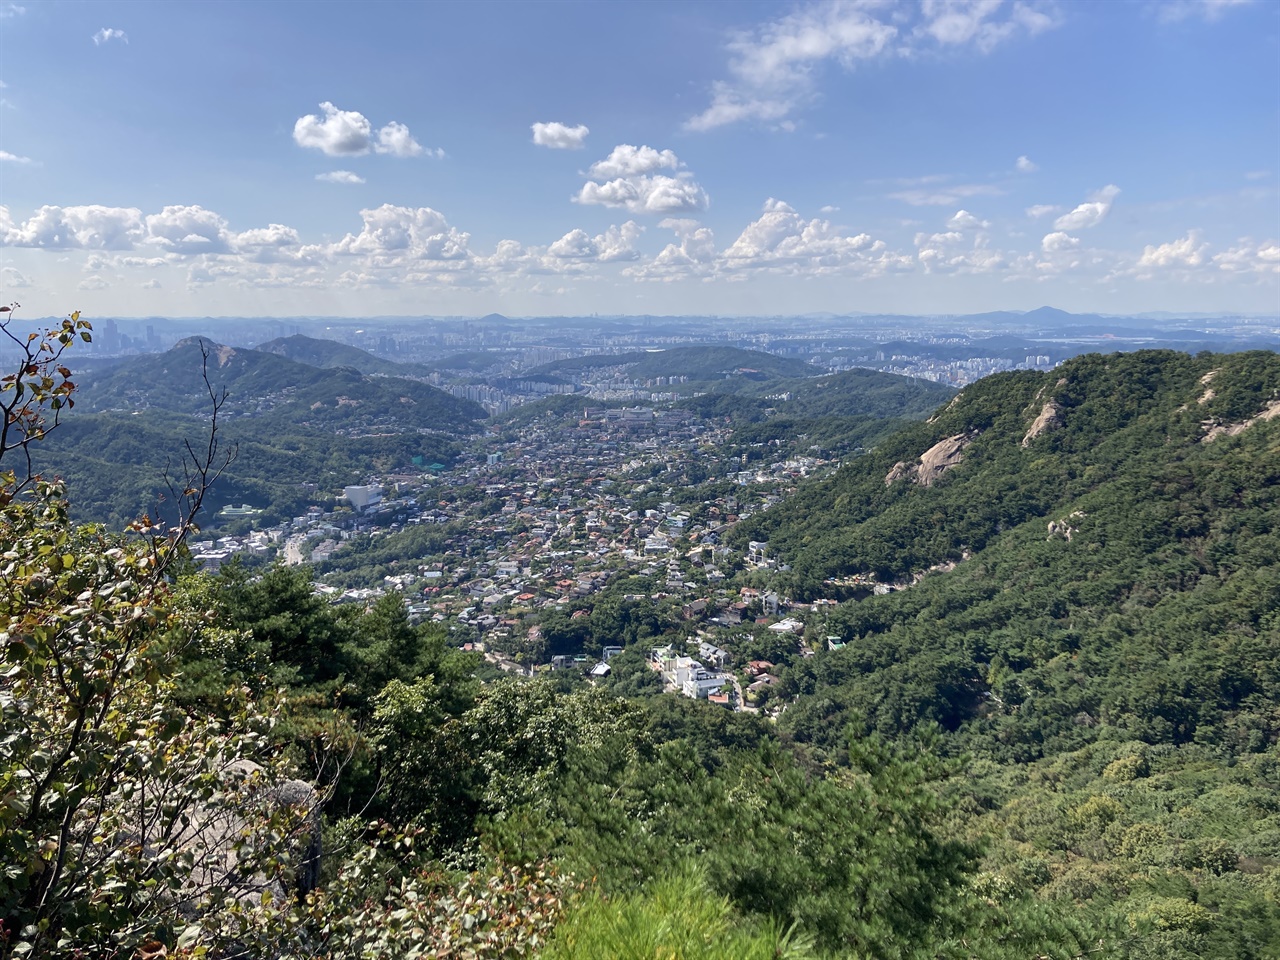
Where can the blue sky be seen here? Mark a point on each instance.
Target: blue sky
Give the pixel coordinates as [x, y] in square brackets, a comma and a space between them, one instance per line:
[569, 158]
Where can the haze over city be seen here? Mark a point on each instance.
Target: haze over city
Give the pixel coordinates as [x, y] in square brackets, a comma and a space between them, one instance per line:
[701, 158]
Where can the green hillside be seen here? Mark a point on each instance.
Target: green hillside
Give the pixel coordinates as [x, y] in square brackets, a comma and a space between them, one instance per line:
[275, 389]
[114, 464]
[1104, 657]
[700, 364]
[328, 353]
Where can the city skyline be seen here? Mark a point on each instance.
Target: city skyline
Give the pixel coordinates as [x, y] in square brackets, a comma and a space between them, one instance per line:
[569, 159]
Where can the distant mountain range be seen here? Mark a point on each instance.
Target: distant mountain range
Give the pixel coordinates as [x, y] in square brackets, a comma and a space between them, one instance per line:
[264, 384]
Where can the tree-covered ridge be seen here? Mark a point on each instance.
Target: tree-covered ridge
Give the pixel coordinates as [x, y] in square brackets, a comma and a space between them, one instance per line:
[1117, 418]
[114, 464]
[316, 352]
[1105, 652]
[860, 392]
[700, 363]
[274, 389]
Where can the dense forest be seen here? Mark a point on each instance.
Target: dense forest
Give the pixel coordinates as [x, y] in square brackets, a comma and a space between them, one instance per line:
[1056, 737]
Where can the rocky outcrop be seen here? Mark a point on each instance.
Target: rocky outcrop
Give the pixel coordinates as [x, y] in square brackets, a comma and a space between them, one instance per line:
[1050, 418]
[933, 463]
[1213, 429]
[1064, 528]
[247, 815]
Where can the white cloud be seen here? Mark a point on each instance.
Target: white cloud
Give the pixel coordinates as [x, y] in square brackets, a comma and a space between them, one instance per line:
[274, 243]
[339, 133]
[107, 34]
[634, 188]
[1173, 11]
[616, 243]
[656, 195]
[1187, 252]
[11, 278]
[1024, 165]
[405, 233]
[773, 68]
[348, 133]
[828, 209]
[964, 220]
[188, 230]
[626, 160]
[91, 227]
[8, 10]
[781, 234]
[982, 23]
[1089, 214]
[1250, 257]
[7, 157]
[1059, 242]
[94, 282]
[1042, 210]
[944, 253]
[339, 176]
[560, 136]
[945, 196]
[396, 140]
[152, 284]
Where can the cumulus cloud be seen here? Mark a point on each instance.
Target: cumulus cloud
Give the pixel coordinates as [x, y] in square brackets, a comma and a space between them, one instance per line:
[1187, 252]
[773, 69]
[396, 140]
[560, 136]
[828, 209]
[7, 157]
[338, 133]
[1042, 210]
[107, 34]
[1250, 257]
[627, 178]
[1024, 165]
[1059, 242]
[274, 243]
[90, 227]
[1091, 213]
[626, 160]
[339, 176]
[94, 282]
[616, 243]
[405, 233]
[781, 234]
[964, 220]
[152, 284]
[188, 230]
[348, 133]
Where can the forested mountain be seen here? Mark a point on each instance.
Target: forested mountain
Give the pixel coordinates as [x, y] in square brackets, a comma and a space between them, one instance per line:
[1099, 635]
[292, 425]
[703, 363]
[273, 388]
[315, 352]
